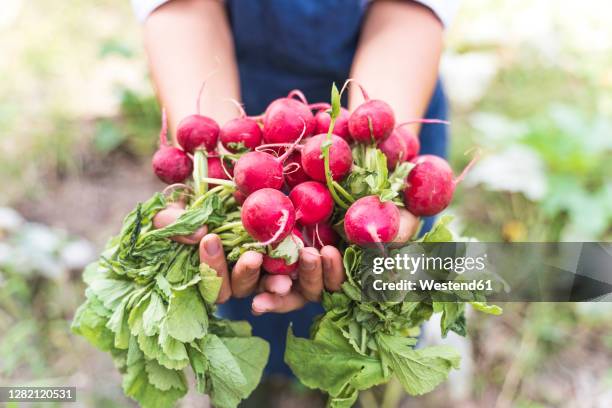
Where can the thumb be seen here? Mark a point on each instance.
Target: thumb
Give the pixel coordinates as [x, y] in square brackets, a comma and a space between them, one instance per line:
[211, 253]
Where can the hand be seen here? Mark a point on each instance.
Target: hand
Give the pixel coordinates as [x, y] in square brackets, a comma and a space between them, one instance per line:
[279, 293]
[316, 271]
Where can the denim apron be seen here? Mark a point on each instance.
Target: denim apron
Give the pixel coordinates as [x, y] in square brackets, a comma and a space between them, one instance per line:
[286, 44]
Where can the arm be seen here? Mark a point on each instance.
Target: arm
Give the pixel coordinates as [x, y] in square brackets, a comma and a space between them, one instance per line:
[397, 57]
[186, 40]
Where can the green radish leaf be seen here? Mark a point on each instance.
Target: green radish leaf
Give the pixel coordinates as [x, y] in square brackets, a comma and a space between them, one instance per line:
[163, 285]
[288, 249]
[397, 179]
[230, 328]
[335, 102]
[251, 354]
[453, 317]
[227, 384]
[187, 318]
[136, 385]
[419, 371]
[486, 308]
[135, 318]
[163, 378]
[331, 366]
[92, 326]
[118, 324]
[210, 284]
[440, 231]
[153, 315]
[111, 291]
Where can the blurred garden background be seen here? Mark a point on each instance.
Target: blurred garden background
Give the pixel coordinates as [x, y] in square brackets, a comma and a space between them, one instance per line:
[530, 82]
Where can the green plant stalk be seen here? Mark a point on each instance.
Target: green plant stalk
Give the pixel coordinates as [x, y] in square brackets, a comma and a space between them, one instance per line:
[343, 192]
[335, 111]
[199, 200]
[226, 227]
[200, 172]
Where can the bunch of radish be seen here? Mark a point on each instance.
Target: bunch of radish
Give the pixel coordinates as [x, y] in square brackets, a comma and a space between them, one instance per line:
[310, 175]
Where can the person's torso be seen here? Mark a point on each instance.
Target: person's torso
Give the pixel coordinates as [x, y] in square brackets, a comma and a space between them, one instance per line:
[284, 44]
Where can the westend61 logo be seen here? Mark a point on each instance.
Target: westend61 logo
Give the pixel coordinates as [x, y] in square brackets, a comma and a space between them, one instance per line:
[412, 264]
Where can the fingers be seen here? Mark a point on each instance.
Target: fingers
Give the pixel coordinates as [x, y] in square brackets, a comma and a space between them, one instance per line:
[246, 274]
[310, 274]
[273, 303]
[278, 284]
[211, 253]
[168, 216]
[333, 270]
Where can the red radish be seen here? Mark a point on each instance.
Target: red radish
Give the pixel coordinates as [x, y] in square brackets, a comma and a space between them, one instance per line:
[413, 144]
[312, 201]
[294, 172]
[372, 121]
[257, 170]
[298, 234]
[395, 148]
[196, 131]
[340, 157]
[216, 170]
[323, 120]
[409, 224]
[430, 185]
[368, 220]
[268, 216]
[170, 164]
[240, 132]
[239, 197]
[321, 235]
[284, 120]
[278, 266]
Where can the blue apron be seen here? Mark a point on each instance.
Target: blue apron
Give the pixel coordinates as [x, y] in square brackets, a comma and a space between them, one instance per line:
[282, 45]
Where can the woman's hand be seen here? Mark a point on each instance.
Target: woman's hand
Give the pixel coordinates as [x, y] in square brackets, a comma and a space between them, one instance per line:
[277, 293]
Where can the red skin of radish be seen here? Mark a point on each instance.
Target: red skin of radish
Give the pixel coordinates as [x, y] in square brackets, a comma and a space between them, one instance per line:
[326, 235]
[340, 158]
[171, 164]
[395, 149]
[323, 120]
[430, 186]
[284, 121]
[256, 170]
[238, 130]
[197, 131]
[298, 234]
[413, 144]
[277, 266]
[294, 177]
[239, 197]
[262, 213]
[382, 118]
[312, 201]
[215, 170]
[368, 221]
